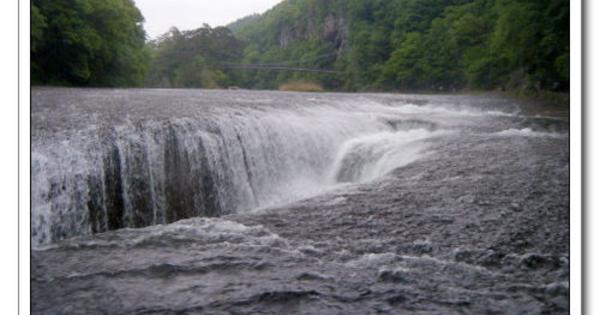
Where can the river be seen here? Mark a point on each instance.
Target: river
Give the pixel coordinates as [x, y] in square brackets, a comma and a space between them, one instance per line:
[258, 202]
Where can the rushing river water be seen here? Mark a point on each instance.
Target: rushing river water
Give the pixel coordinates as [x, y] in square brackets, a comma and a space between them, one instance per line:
[239, 202]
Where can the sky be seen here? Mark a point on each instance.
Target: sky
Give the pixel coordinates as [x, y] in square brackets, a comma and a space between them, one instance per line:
[190, 14]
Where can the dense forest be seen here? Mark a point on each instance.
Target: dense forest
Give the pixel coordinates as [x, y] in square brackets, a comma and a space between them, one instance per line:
[88, 43]
[372, 45]
[194, 58]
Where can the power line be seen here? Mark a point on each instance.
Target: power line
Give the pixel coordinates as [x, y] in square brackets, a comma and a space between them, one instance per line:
[285, 65]
[263, 66]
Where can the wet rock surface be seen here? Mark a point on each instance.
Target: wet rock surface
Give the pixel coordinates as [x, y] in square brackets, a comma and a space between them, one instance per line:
[479, 225]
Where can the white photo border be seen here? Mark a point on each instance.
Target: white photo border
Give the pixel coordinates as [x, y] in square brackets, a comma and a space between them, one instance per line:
[24, 146]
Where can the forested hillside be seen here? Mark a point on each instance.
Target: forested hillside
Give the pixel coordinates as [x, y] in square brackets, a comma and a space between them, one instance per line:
[414, 44]
[87, 43]
[371, 45]
[194, 58]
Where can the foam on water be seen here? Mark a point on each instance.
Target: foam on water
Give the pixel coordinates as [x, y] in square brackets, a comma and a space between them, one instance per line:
[414, 212]
[119, 161]
[413, 109]
[373, 156]
[528, 132]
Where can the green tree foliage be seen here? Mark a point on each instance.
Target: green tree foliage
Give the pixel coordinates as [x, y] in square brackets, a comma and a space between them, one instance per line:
[194, 58]
[430, 45]
[38, 25]
[242, 23]
[413, 44]
[87, 43]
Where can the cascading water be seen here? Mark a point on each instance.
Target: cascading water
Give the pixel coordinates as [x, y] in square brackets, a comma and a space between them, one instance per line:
[146, 166]
[367, 158]
[296, 203]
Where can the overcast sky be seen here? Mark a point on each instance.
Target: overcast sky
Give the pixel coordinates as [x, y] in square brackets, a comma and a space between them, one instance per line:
[190, 14]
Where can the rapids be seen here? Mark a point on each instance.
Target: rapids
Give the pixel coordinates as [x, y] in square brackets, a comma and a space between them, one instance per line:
[256, 202]
[101, 163]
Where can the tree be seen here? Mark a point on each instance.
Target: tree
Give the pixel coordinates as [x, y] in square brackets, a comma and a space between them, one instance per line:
[87, 42]
[193, 58]
[416, 44]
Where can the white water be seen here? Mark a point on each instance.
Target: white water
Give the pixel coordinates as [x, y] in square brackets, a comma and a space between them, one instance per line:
[142, 165]
[528, 132]
[369, 157]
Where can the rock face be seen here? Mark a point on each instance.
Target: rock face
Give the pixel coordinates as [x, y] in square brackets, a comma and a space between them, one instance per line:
[477, 223]
[330, 28]
[285, 36]
[335, 30]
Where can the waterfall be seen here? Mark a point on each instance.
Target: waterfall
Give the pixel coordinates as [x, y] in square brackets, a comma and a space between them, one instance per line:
[144, 171]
